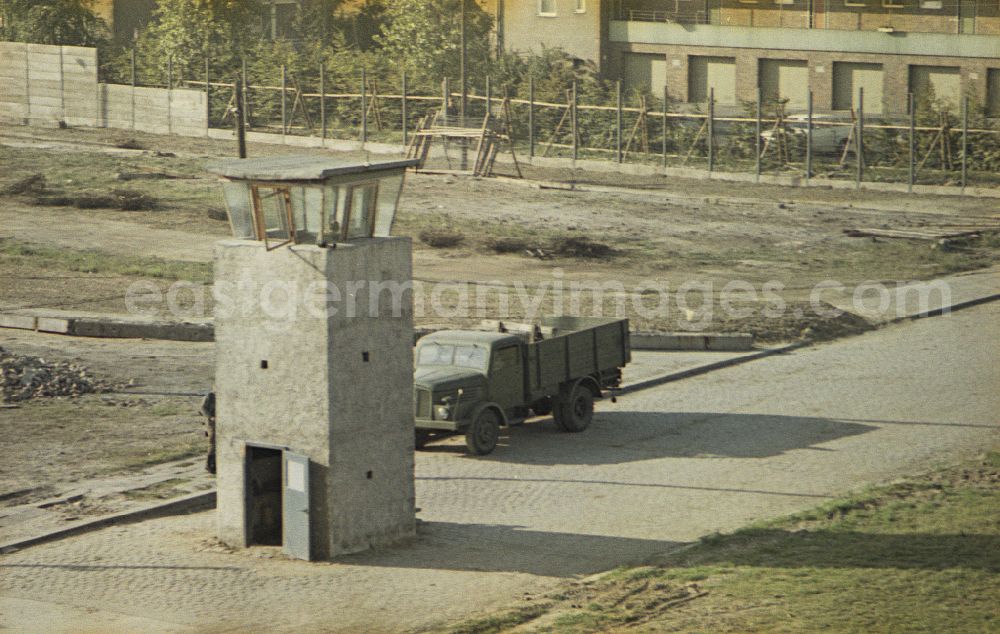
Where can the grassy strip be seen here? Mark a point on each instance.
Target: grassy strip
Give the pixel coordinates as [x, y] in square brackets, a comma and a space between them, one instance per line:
[17, 253]
[920, 555]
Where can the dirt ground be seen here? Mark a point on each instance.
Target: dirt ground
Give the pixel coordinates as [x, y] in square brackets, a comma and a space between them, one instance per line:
[49, 444]
[664, 231]
[669, 231]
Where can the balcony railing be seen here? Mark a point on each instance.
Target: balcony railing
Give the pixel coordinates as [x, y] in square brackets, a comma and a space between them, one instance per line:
[679, 17]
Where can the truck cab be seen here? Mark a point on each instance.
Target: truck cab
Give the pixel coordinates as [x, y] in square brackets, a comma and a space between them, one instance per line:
[458, 372]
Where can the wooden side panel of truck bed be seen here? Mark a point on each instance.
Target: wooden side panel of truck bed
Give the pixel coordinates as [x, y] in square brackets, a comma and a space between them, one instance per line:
[593, 346]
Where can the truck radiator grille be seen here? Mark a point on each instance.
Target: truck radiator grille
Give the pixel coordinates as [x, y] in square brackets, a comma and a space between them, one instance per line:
[423, 404]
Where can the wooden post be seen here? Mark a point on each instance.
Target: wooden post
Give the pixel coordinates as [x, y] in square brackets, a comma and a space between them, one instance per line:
[133, 87]
[573, 122]
[531, 116]
[489, 97]
[912, 143]
[241, 138]
[364, 107]
[27, 86]
[445, 95]
[711, 129]
[965, 141]
[208, 90]
[760, 99]
[403, 109]
[859, 144]
[663, 140]
[284, 105]
[462, 68]
[618, 120]
[62, 85]
[247, 100]
[170, 86]
[322, 104]
[809, 137]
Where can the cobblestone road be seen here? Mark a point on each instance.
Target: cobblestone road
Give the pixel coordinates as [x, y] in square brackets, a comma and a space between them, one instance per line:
[656, 470]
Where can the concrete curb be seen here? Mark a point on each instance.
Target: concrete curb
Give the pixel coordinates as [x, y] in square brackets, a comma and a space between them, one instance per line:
[188, 503]
[944, 310]
[109, 327]
[690, 341]
[709, 367]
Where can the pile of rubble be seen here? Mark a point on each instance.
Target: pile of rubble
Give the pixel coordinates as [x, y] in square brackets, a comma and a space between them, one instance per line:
[23, 378]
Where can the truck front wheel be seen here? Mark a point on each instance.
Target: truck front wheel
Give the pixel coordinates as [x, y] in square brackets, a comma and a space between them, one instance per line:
[575, 413]
[482, 435]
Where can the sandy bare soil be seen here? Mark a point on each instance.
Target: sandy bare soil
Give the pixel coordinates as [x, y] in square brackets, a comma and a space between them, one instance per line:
[665, 231]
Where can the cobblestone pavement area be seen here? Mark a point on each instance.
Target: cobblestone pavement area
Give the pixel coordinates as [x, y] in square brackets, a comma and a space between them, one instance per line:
[656, 470]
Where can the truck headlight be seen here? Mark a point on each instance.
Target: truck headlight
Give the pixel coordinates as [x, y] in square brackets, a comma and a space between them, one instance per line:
[441, 412]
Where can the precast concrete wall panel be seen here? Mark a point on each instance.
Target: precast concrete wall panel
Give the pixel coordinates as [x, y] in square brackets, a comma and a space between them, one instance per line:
[943, 82]
[993, 92]
[645, 72]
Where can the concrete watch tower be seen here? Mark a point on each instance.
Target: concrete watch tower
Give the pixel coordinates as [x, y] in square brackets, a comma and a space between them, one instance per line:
[314, 374]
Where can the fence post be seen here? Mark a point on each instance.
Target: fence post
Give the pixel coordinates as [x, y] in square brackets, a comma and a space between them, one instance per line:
[711, 129]
[859, 142]
[133, 86]
[462, 70]
[241, 138]
[912, 143]
[663, 140]
[445, 94]
[489, 97]
[809, 137]
[27, 84]
[62, 85]
[208, 89]
[756, 141]
[322, 104]
[364, 107]
[170, 88]
[618, 120]
[531, 116]
[247, 100]
[403, 109]
[965, 141]
[284, 82]
[573, 122]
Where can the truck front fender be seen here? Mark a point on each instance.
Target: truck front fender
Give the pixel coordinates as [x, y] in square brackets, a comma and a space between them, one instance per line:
[493, 406]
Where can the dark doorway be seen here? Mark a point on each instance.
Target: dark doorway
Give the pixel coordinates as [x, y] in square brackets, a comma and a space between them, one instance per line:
[263, 491]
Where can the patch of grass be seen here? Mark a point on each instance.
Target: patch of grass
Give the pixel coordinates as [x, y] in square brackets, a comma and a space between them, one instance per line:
[500, 622]
[441, 238]
[16, 252]
[582, 247]
[195, 447]
[921, 554]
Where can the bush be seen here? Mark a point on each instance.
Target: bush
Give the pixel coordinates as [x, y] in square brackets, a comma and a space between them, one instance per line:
[441, 238]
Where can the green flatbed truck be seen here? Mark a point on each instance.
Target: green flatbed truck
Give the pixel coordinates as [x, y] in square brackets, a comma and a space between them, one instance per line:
[473, 382]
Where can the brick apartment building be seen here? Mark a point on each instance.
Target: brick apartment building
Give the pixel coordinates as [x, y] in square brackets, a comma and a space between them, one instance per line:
[787, 47]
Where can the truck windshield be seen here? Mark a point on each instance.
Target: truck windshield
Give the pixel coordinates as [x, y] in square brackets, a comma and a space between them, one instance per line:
[446, 354]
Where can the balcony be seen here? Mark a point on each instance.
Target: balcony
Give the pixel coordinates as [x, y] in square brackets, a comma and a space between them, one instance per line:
[664, 12]
[862, 42]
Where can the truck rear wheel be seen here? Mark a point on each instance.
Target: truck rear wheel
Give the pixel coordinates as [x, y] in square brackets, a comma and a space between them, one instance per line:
[482, 435]
[575, 413]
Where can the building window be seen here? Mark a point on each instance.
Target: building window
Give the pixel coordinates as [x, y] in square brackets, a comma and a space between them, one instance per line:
[546, 7]
[931, 4]
[581, 6]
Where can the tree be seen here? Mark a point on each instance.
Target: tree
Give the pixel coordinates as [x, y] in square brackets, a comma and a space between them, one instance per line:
[184, 30]
[66, 22]
[424, 37]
